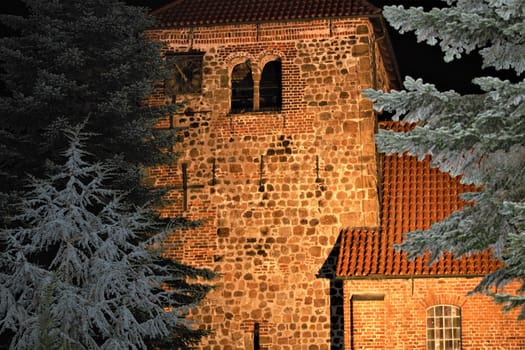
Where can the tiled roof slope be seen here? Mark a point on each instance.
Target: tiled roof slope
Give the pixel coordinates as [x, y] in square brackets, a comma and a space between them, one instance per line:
[182, 13]
[414, 196]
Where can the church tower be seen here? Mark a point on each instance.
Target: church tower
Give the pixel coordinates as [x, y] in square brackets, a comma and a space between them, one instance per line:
[277, 155]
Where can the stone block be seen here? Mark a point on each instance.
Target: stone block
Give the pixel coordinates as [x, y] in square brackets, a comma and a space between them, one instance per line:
[360, 50]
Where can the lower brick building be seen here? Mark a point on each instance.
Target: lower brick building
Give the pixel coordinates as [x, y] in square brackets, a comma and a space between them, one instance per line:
[426, 313]
[390, 302]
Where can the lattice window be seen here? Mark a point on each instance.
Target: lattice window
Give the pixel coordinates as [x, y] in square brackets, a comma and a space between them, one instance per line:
[443, 327]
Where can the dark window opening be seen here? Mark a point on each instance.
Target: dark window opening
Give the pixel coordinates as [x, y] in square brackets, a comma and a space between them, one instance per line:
[242, 88]
[271, 87]
[256, 337]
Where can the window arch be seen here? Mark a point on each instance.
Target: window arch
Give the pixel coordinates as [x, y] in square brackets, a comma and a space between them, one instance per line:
[242, 88]
[443, 327]
[270, 88]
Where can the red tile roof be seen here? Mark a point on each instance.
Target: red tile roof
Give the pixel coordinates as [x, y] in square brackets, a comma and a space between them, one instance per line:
[414, 196]
[182, 13]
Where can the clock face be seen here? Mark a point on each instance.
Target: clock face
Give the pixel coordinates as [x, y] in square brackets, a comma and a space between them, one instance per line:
[186, 74]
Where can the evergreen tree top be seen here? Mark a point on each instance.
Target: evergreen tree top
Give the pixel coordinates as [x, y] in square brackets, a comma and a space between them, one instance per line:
[80, 270]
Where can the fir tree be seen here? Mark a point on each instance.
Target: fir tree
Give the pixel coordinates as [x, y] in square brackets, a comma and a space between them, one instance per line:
[77, 272]
[68, 60]
[480, 137]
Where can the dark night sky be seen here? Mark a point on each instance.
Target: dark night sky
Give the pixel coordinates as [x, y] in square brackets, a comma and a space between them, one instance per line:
[416, 60]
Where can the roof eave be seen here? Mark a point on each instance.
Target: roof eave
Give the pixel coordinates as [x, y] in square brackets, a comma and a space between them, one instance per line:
[220, 24]
[401, 276]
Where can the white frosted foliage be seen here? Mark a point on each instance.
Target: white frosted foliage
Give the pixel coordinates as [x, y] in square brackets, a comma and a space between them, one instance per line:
[75, 274]
[480, 137]
[495, 27]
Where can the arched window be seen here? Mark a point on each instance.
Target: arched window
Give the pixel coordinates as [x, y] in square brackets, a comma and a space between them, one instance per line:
[443, 327]
[270, 91]
[242, 88]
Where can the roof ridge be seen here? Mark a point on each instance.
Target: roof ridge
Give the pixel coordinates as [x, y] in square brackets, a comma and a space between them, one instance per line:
[180, 13]
[165, 7]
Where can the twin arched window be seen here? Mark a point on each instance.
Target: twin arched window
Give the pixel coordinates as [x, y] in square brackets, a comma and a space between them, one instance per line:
[443, 327]
[264, 94]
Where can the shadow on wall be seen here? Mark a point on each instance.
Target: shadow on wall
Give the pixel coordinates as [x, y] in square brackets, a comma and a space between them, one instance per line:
[336, 298]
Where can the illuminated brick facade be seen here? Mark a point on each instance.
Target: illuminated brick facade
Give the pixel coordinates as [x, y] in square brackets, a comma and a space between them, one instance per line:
[390, 314]
[275, 187]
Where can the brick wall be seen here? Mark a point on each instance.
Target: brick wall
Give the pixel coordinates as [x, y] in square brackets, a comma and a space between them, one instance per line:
[274, 188]
[367, 324]
[401, 315]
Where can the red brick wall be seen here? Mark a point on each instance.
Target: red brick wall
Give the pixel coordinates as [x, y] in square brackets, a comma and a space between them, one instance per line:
[367, 324]
[402, 314]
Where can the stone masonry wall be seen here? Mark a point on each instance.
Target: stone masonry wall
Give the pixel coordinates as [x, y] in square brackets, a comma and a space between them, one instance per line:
[274, 188]
[398, 320]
